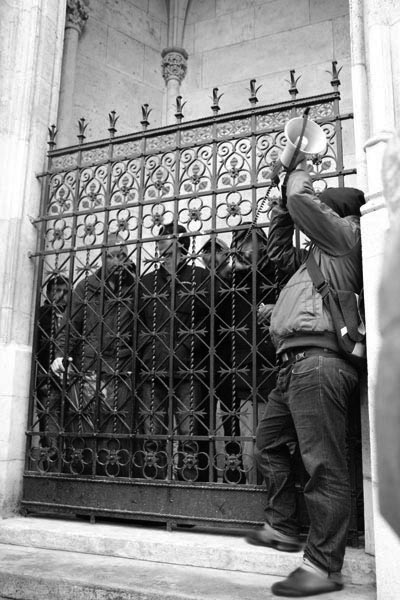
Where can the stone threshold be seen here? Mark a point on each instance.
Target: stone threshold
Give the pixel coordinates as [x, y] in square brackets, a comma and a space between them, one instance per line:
[28, 573]
[216, 549]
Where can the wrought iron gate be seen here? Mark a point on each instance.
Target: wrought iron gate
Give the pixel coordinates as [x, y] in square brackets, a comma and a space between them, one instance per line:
[166, 368]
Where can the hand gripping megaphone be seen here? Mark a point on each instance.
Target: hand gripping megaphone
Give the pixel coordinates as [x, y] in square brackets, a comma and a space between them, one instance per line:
[305, 138]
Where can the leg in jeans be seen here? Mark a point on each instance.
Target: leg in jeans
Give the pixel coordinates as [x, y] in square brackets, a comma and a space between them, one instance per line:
[49, 417]
[115, 404]
[247, 427]
[231, 451]
[275, 433]
[318, 394]
[155, 400]
[188, 397]
[80, 406]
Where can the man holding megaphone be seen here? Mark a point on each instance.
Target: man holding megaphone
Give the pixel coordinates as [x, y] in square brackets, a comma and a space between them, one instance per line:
[315, 382]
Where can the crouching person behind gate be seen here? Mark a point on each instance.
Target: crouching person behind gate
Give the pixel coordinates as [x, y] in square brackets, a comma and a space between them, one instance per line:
[173, 321]
[48, 389]
[95, 342]
[315, 384]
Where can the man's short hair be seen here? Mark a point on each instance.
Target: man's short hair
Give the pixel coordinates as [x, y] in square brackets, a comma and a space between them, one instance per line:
[55, 280]
[115, 239]
[239, 236]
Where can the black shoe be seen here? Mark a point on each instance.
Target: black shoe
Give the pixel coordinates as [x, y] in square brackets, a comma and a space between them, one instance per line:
[302, 583]
[267, 536]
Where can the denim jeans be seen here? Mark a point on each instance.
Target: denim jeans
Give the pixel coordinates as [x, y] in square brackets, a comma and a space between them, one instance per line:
[309, 405]
[161, 419]
[114, 396]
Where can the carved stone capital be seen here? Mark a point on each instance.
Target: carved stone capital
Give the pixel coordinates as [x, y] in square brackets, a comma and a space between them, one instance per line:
[77, 14]
[174, 64]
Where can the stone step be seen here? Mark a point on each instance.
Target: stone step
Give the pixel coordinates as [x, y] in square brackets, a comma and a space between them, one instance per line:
[210, 549]
[31, 573]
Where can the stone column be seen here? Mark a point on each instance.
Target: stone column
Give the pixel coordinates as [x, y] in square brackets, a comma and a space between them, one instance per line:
[374, 52]
[384, 390]
[77, 15]
[174, 65]
[359, 80]
[387, 409]
[31, 43]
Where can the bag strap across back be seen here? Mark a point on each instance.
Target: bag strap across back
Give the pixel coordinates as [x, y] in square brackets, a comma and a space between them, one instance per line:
[345, 317]
[319, 281]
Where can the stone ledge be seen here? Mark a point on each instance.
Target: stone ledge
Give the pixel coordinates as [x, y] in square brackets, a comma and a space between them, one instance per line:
[28, 573]
[217, 549]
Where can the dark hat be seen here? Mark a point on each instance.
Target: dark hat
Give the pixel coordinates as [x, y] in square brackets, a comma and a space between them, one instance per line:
[240, 235]
[183, 240]
[344, 201]
[219, 245]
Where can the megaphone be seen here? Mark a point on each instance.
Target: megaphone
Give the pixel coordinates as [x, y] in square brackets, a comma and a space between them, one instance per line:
[313, 140]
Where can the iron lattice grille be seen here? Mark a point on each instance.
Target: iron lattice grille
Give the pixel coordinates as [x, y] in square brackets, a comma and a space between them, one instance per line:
[169, 372]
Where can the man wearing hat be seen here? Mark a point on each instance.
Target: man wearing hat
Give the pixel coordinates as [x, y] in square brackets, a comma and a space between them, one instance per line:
[314, 387]
[173, 346]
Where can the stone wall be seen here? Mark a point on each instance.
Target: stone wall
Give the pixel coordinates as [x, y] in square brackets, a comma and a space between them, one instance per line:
[228, 42]
[118, 64]
[231, 42]
[30, 65]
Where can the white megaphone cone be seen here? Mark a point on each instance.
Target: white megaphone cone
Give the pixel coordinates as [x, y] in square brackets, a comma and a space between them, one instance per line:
[313, 140]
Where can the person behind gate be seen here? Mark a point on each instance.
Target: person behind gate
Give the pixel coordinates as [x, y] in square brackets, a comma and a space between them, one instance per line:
[219, 384]
[48, 387]
[251, 285]
[173, 326]
[100, 349]
[314, 387]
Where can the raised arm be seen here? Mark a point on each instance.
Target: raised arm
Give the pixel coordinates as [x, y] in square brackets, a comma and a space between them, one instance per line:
[280, 241]
[330, 232]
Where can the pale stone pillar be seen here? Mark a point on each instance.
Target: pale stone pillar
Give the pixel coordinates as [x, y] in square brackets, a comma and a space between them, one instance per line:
[388, 377]
[380, 17]
[374, 58]
[77, 15]
[174, 70]
[359, 80]
[31, 44]
[385, 376]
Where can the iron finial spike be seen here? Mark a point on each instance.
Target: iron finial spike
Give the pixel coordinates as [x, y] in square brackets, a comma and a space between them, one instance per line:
[52, 136]
[293, 91]
[82, 125]
[216, 98]
[335, 81]
[253, 91]
[145, 115]
[179, 108]
[113, 118]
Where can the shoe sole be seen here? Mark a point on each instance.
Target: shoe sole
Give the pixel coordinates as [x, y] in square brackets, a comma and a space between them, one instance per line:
[282, 546]
[295, 593]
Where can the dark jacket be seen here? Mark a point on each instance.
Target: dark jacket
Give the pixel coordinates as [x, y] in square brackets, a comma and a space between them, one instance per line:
[49, 324]
[240, 309]
[299, 317]
[100, 323]
[173, 320]
[245, 344]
